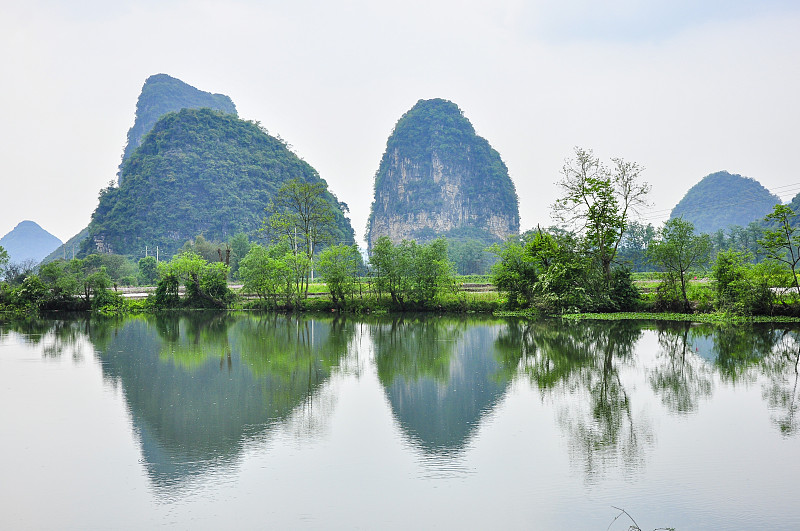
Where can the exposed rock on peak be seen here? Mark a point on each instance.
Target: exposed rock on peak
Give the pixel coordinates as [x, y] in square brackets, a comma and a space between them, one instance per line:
[438, 178]
[162, 94]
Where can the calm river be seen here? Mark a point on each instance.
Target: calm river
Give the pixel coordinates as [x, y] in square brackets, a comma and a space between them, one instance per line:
[221, 421]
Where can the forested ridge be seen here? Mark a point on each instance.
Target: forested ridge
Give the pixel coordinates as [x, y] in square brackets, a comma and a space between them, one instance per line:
[198, 171]
[721, 200]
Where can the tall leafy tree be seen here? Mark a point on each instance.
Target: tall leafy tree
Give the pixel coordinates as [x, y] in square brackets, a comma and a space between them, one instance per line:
[677, 250]
[781, 242]
[3, 259]
[598, 202]
[339, 266]
[411, 272]
[300, 213]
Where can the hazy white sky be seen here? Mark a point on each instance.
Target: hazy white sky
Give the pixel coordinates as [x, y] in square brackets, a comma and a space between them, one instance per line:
[682, 87]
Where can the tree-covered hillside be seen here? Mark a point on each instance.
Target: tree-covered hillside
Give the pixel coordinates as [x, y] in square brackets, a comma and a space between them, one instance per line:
[437, 176]
[723, 199]
[198, 171]
[69, 248]
[162, 94]
[28, 242]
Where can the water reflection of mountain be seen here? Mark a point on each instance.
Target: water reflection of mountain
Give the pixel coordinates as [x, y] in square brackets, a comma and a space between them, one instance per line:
[441, 377]
[199, 387]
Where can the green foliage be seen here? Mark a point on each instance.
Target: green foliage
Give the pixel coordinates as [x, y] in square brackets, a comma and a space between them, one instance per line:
[675, 252]
[162, 94]
[268, 272]
[741, 287]
[299, 214]
[3, 260]
[239, 246]
[780, 242]
[79, 284]
[205, 283]
[632, 250]
[470, 257]
[515, 273]
[198, 172]
[167, 295]
[411, 273]
[430, 143]
[624, 295]
[210, 251]
[339, 267]
[598, 202]
[722, 199]
[550, 272]
[117, 267]
[148, 271]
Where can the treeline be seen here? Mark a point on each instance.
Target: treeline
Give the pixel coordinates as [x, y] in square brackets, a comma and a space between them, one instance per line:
[584, 266]
[748, 271]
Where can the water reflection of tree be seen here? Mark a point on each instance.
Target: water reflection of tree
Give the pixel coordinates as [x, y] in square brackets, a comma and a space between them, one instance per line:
[414, 348]
[57, 337]
[578, 365]
[191, 340]
[781, 369]
[739, 350]
[682, 378]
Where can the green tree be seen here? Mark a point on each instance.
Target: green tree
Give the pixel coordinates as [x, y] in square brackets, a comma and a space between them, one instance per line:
[677, 249]
[301, 213]
[148, 270]
[239, 246]
[780, 242]
[633, 247]
[411, 272]
[515, 273]
[742, 287]
[267, 272]
[389, 267]
[598, 202]
[432, 272]
[3, 259]
[339, 265]
[205, 283]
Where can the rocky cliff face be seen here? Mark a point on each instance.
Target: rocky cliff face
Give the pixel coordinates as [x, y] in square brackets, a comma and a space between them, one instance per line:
[162, 94]
[438, 178]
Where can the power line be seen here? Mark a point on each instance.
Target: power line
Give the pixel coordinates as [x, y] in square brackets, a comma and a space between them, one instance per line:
[789, 192]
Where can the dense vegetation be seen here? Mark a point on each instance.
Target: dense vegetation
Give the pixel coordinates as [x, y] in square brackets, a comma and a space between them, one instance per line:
[722, 199]
[436, 167]
[162, 94]
[69, 248]
[198, 172]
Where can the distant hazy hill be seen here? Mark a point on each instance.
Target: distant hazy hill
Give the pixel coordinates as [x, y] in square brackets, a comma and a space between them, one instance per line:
[28, 242]
[723, 199]
[437, 177]
[197, 172]
[162, 94]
